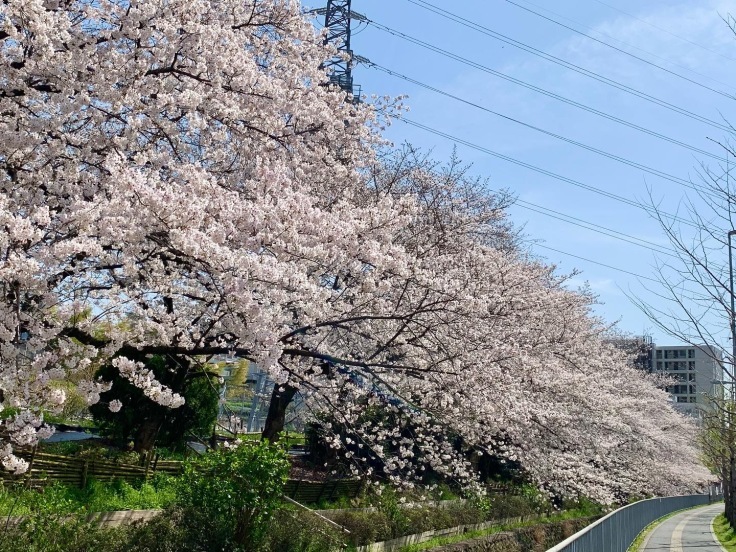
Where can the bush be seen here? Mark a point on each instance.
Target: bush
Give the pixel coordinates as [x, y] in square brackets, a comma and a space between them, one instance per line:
[509, 506]
[232, 493]
[72, 533]
[51, 533]
[365, 527]
[298, 531]
[390, 522]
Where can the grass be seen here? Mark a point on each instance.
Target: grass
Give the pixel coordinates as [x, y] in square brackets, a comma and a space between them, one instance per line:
[452, 539]
[52, 418]
[159, 492]
[725, 533]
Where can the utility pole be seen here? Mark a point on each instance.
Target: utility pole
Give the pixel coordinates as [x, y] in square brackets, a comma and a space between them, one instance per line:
[338, 15]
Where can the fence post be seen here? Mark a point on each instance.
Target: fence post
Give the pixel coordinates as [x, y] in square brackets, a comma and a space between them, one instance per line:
[85, 468]
[295, 492]
[30, 462]
[148, 464]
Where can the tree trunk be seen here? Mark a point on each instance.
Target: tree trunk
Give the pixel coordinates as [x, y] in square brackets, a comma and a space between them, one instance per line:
[244, 528]
[145, 437]
[276, 418]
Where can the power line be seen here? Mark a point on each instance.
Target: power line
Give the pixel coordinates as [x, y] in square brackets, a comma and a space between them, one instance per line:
[627, 44]
[599, 263]
[620, 50]
[591, 226]
[614, 157]
[557, 214]
[540, 170]
[568, 65]
[665, 30]
[542, 91]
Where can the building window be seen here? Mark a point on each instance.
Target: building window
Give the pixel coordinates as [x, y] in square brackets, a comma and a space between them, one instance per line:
[692, 399]
[659, 365]
[692, 389]
[659, 353]
[691, 377]
[691, 353]
[681, 399]
[691, 365]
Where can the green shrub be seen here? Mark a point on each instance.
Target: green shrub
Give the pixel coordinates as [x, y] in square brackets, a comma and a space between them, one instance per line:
[509, 506]
[465, 514]
[365, 527]
[298, 531]
[420, 520]
[167, 532]
[391, 520]
[231, 493]
[53, 533]
[389, 505]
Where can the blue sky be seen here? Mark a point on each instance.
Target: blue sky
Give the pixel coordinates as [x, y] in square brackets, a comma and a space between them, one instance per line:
[704, 50]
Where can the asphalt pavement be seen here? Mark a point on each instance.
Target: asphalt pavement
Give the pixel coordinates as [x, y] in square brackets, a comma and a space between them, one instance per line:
[688, 530]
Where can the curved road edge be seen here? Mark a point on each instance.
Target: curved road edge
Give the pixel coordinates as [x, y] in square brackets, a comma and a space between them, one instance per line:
[688, 530]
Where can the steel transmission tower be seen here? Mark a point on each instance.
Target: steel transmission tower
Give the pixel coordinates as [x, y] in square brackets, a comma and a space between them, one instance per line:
[338, 16]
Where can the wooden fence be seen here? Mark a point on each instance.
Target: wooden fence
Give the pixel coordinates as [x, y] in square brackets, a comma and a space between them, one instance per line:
[311, 492]
[48, 468]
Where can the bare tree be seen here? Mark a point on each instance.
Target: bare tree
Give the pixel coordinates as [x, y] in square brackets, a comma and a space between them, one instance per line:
[694, 302]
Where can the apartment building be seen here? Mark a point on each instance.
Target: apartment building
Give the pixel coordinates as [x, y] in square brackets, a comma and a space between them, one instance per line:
[698, 371]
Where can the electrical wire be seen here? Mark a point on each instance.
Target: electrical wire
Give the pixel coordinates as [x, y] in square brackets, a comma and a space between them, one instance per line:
[557, 214]
[599, 263]
[542, 91]
[614, 157]
[628, 44]
[665, 30]
[620, 50]
[649, 210]
[561, 62]
[656, 248]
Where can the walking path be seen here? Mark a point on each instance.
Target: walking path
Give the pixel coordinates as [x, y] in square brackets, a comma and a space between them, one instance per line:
[687, 531]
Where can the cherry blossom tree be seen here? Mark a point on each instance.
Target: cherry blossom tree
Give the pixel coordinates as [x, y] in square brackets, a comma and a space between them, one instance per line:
[179, 170]
[179, 180]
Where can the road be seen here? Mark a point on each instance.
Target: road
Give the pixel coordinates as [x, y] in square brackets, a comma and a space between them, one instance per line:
[686, 531]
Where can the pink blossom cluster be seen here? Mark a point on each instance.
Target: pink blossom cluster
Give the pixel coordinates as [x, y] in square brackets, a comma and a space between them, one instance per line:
[178, 179]
[138, 375]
